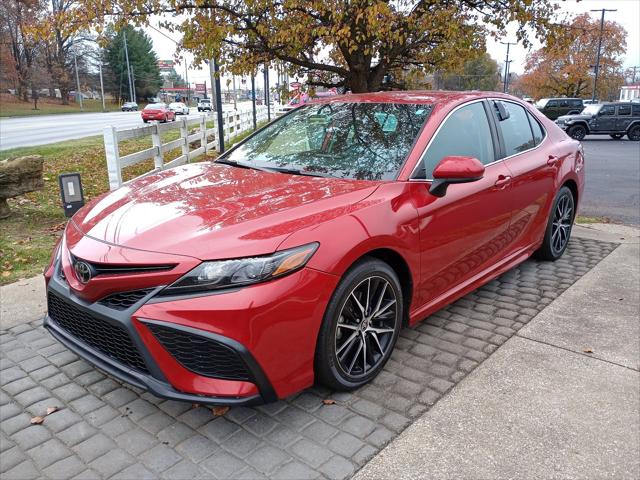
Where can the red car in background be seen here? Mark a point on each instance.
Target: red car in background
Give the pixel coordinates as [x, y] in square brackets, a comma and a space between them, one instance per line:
[299, 254]
[159, 112]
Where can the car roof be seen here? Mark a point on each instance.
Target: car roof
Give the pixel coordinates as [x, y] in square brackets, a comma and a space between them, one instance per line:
[420, 97]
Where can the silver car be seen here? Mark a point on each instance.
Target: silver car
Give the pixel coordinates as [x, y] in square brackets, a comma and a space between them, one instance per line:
[179, 108]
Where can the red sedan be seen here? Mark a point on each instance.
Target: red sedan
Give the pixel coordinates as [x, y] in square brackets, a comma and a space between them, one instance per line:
[299, 255]
[159, 112]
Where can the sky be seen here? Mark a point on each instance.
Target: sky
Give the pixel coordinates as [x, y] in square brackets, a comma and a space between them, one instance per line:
[627, 14]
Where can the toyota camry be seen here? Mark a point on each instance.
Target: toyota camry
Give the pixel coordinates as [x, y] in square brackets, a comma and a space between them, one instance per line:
[299, 255]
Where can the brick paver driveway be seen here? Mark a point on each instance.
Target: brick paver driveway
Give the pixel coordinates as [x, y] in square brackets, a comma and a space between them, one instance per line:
[104, 429]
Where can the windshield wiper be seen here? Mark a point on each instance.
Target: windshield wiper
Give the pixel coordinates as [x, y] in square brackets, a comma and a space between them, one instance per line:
[297, 171]
[224, 161]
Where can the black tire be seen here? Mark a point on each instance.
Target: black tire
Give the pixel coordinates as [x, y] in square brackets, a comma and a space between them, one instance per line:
[616, 136]
[333, 356]
[634, 133]
[577, 132]
[145, 121]
[558, 231]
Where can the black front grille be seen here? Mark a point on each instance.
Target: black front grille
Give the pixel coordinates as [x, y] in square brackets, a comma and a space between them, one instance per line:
[201, 355]
[124, 300]
[111, 340]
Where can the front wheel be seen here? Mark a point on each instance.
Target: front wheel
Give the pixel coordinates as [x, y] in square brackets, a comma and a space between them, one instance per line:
[616, 136]
[634, 133]
[577, 132]
[360, 326]
[558, 231]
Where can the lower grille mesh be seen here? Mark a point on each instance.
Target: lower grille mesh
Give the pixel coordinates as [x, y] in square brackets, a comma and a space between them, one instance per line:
[201, 355]
[124, 300]
[111, 340]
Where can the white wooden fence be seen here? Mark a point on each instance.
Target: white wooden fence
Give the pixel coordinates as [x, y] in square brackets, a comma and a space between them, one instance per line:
[234, 123]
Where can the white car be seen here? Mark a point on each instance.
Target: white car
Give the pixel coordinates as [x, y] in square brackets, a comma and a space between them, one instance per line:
[204, 104]
[179, 108]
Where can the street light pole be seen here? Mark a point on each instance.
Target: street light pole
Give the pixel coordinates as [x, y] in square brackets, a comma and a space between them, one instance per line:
[75, 62]
[597, 67]
[126, 55]
[101, 86]
[506, 67]
[253, 101]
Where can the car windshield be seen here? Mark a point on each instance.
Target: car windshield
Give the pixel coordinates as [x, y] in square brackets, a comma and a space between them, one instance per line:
[176, 105]
[206, 100]
[154, 106]
[364, 141]
[591, 109]
[542, 102]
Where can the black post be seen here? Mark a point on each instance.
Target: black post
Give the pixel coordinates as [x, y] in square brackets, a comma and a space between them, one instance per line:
[253, 101]
[597, 67]
[216, 71]
[266, 91]
[505, 86]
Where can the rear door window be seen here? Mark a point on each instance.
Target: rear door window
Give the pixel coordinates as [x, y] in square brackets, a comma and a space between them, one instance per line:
[466, 133]
[516, 130]
[624, 110]
[538, 132]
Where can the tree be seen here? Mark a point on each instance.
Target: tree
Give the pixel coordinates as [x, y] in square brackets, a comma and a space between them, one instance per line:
[563, 67]
[143, 61]
[480, 73]
[174, 78]
[354, 44]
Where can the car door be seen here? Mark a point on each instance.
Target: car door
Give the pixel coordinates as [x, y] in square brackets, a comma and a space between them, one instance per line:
[533, 164]
[552, 109]
[623, 118]
[464, 232]
[606, 119]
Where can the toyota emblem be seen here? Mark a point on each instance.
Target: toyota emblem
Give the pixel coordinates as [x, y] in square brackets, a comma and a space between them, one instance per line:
[83, 271]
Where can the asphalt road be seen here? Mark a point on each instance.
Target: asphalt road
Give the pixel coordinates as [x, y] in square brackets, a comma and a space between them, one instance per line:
[613, 179]
[44, 129]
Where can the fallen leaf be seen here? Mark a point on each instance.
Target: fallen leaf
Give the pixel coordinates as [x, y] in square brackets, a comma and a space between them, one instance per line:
[588, 350]
[219, 411]
[329, 401]
[37, 420]
[195, 405]
[51, 410]
[6, 274]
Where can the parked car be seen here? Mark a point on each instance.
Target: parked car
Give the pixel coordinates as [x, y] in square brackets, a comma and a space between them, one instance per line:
[157, 111]
[300, 254]
[204, 104]
[555, 107]
[129, 107]
[179, 108]
[613, 119]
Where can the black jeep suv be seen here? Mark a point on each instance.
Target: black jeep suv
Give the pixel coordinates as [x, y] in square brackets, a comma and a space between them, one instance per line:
[613, 119]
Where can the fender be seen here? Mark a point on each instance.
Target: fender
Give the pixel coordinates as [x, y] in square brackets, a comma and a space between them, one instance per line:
[366, 229]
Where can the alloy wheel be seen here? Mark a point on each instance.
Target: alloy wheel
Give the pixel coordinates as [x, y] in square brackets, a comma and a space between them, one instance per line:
[577, 132]
[561, 226]
[366, 325]
[634, 134]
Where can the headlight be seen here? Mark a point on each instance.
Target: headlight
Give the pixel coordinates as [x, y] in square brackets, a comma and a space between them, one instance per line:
[219, 274]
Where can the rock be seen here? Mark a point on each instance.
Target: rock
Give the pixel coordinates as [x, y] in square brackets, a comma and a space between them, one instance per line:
[18, 176]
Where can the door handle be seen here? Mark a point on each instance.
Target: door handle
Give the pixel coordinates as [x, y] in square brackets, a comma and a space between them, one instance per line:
[503, 181]
[552, 160]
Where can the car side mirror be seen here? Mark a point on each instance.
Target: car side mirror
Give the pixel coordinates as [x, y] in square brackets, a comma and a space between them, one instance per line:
[455, 169]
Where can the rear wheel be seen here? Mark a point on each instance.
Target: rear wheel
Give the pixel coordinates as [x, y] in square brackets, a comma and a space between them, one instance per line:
[634, 133]
[577, 132]
[360, 326]
[616, 136]
[558, 232]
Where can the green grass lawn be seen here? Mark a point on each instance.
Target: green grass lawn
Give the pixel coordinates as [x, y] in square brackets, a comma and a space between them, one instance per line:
[15, 108]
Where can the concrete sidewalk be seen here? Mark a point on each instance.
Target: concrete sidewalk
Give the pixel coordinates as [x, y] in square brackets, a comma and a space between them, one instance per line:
[558, 400]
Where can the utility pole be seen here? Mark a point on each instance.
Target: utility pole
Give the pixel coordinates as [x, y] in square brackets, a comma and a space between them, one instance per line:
[133, 82]
[253, 101]
[597, 67]
[101, 86]
[126, 56]
[216, 71]
[505, 86]
[186, 79]
[266, 91]
[213, 84]
[75, 62]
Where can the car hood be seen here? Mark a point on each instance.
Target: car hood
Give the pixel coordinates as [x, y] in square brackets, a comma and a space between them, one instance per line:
[211, 211]
[566, 118]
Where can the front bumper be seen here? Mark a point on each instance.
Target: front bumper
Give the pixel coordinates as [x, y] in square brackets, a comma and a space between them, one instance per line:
[150, 375]
[271, 327]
